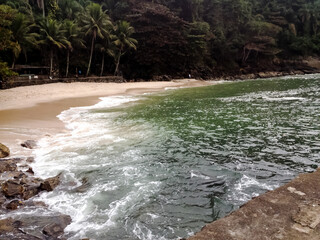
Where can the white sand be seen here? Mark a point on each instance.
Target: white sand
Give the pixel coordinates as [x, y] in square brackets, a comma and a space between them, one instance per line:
[21, 97]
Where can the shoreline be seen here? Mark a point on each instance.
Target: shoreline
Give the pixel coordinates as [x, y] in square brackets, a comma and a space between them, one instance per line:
[30, 112]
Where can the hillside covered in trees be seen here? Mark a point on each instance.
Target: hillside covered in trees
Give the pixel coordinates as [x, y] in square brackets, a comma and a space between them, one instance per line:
[144, 39]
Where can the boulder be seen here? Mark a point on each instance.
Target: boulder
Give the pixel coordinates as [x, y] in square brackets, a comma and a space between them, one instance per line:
[31, 144]
[30, 170]
[4, 151]
[7, 165]
[30, 191]
[50, 183]
[14, 204]
[12, 188]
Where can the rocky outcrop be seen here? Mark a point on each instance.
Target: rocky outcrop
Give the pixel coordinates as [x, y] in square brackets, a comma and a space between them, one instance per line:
[50, 183]
[4, 151]
[17, 190]
[291, 212]
[25, 186]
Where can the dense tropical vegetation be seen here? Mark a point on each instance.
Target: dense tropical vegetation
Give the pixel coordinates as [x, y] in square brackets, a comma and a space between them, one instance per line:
[147, 38]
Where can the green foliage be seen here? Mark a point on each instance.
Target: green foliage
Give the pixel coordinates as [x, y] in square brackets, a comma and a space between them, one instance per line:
[7, 15]
[5, 72]
[123, 41]
[23, 35]
[95, 23]
[175, 37]
[53, 37]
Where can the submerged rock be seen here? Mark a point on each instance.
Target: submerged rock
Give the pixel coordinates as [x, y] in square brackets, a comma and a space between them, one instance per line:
[53, 230]
[30, 159]
[31, 144]
[4, 151]
[34, 227]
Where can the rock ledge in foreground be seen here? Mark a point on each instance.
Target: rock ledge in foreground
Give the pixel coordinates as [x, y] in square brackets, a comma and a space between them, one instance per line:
[291, 212]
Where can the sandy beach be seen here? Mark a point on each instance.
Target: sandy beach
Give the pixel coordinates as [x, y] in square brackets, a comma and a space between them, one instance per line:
[30, 112]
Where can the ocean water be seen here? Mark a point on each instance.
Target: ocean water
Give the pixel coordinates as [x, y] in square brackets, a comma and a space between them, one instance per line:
[161, 166]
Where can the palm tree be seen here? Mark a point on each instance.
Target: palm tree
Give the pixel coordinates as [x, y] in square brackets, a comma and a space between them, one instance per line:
[123, 42]
[52, 34]
[106, 47]
[96, 23]
[23, 6]
[22, 35]
[72, 34]
[69, 9]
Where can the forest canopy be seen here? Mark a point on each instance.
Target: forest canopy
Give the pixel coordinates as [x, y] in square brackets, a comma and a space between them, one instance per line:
[144, 39]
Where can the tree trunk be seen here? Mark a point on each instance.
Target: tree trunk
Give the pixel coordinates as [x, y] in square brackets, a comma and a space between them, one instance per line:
[51, 61]
[68, 59]
[14, 61]
[117, 64]
[43, 9]
[91, 52]
[102, 65]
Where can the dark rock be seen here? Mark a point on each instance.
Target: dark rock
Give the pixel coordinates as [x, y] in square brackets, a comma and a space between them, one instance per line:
[50, 183]
[14, 204]
[30, 170]
[11, 229]
[4, 151]
[30, 191]
[43, 226]
[7, 165]
[31, 144]
[19, 175]
[12, 188]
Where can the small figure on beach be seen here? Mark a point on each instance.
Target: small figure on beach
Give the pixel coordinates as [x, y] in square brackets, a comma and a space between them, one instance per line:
[189, 75]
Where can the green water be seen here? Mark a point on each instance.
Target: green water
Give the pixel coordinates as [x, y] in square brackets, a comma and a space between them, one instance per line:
[253, 135]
